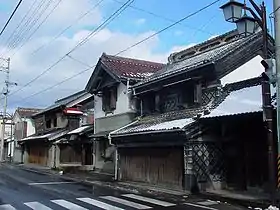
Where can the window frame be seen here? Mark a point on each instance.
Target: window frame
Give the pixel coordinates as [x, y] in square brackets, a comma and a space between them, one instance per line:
[109, 99]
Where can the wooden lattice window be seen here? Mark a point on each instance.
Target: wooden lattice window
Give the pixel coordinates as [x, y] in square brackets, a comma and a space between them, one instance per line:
[109, 99]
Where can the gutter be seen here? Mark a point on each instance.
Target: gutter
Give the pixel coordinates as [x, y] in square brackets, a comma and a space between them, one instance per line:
[116, 151]
[109, 136]
[151, 132]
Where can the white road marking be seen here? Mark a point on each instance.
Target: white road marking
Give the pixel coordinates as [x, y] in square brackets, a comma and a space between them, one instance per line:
[149, 200]
[49, 183]
[7, 207]
[36, 206]
[126, 202]
[99, 204]
[68, 205]
[199, 206]
[207, 203]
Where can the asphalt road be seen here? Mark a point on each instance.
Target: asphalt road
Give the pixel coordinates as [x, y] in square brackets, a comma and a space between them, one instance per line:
[21, 189]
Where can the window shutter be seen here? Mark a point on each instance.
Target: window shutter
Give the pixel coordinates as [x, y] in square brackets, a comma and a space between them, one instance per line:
[113, 98]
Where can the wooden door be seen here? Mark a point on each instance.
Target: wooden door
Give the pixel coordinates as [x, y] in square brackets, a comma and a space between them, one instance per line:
[157, 166]
[38, 155]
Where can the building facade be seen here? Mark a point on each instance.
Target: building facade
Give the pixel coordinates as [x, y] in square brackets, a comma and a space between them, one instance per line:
[167, 145]
[50, 145]
[114, 108]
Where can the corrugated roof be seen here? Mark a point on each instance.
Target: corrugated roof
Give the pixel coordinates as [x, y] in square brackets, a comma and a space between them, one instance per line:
[161, 122]
[81, 129]
[241, 101]
[239, 98]
[130, 68]
[236, 98]
[208, 56]
[53, 135]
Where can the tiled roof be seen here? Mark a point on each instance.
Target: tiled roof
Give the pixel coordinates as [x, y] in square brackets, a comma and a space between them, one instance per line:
[165, 121]
[232, 100]
[130, 68]
[27, 112]
[205, 57]
[63, 101]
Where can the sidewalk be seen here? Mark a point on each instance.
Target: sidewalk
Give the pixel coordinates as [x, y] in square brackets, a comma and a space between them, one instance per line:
[243, 198]
[246, 199]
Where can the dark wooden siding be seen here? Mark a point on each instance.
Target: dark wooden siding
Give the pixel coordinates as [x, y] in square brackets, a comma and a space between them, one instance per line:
[39, 124]
[38, 154]
[70, 153]
[156, 166]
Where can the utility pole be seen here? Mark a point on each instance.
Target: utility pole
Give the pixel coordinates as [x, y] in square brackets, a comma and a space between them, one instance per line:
[5, 69]
[5, 92]
[276, 15]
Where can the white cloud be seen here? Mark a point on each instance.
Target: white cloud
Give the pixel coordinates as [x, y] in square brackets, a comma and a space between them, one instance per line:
[24, 66]
[140, 21]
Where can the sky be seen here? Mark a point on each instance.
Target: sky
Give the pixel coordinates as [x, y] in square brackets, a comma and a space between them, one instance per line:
[35, 45]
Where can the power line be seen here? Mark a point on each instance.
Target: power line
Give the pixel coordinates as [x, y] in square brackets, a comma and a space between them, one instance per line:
[166, 28]
[78, 61]
[37, 28]
[137, 43]
[30, 24]
[83, 41]
[164, 18]
[18, 25]
[24, 27]
[11, 16]
[68, 27]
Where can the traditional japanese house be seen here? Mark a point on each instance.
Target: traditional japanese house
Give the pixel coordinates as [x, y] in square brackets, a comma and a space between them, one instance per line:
[156, 148]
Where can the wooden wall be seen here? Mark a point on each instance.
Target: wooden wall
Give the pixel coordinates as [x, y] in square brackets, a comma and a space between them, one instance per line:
[38, 155]
[156, 166]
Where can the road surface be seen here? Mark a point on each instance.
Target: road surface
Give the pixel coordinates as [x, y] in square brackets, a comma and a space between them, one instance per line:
[21, 189]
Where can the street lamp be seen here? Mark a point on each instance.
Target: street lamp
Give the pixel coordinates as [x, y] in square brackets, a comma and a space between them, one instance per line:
[246, 25]
[232, 10]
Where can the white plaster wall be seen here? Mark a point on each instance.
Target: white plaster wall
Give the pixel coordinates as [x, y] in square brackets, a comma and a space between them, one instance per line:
[8, 128]
[122, 105]
[30, 127]
[251, 69]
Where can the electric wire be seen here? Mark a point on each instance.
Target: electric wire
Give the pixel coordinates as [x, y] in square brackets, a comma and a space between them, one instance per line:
[10, 18]
[37, 28]
[21, 38]
[83, 41]
[68, 27]
[126, 49]
[28, 25]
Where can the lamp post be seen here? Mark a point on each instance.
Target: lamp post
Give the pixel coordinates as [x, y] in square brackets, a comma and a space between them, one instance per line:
[246, 25]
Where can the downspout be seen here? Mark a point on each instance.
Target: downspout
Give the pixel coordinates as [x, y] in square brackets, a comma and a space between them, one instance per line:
[116, 151]
[54, 158]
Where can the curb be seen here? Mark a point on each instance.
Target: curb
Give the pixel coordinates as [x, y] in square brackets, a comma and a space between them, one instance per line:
[111, 185]
[245, 203]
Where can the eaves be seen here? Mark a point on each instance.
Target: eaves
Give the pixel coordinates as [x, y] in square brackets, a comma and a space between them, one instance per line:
[180, 71]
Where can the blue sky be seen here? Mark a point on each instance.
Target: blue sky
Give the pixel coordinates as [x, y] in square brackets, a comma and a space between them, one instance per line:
[131, 26]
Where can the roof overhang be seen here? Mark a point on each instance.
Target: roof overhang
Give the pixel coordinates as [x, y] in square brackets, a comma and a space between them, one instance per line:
[96, 78]
[192, 74]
